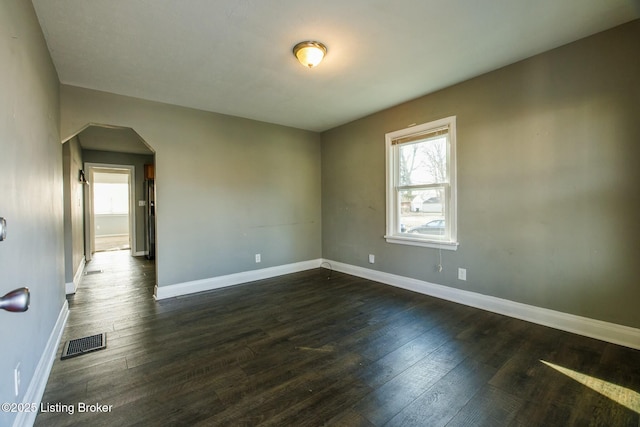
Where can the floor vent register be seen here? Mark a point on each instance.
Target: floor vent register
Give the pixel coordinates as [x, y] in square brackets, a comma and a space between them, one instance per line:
[84, 345]
[92, 272]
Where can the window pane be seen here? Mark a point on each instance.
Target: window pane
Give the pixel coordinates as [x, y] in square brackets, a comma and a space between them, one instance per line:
[111, 198]
[421, 185]
[423, 162]
[422, 211]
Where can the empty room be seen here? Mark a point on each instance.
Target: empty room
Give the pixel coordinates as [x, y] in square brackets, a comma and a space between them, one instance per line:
[361, 213]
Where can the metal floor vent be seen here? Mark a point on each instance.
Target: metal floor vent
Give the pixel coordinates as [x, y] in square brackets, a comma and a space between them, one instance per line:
[87, 273]
[84, 345]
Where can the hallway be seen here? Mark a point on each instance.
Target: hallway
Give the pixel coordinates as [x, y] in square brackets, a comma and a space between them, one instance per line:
[114, 301]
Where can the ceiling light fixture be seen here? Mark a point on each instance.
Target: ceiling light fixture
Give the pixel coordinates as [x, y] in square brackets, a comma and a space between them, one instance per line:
[310, 53]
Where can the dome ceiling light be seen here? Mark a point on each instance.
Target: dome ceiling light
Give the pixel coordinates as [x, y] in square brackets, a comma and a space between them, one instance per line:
[310, 53]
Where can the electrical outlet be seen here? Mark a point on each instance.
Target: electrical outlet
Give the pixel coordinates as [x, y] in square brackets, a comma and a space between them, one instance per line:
[372, 258]
[258, 258]
[16, 379]
[462, 273]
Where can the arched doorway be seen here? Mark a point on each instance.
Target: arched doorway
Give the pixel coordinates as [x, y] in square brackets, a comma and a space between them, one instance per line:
[106, 149]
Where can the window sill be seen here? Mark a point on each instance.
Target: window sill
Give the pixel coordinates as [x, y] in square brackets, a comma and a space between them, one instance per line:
[450, 246]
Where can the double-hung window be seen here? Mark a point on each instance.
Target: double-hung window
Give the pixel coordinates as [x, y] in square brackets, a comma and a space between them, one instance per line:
[421, 185]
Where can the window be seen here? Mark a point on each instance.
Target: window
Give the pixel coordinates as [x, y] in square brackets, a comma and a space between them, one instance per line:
[421, 185]
[110, 191]
[110, 198]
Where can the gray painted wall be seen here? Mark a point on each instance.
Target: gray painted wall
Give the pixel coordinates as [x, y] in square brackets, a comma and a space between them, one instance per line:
[111, 224]
[31, 174]
[137, 161]
[549, 207]
[227, 187]
[73, 208]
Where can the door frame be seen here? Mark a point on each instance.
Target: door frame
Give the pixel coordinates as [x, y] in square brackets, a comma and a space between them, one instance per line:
[89, 231]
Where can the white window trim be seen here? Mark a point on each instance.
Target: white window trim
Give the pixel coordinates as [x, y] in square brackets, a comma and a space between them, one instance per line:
[393, 205]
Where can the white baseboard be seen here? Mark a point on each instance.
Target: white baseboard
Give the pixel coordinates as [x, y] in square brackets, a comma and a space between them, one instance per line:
[72, 287]
[41, 375]
[605, 331]
[162, 292]
[140, 253]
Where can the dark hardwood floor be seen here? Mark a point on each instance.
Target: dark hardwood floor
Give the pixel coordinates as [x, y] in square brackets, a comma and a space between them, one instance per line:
[305, 350]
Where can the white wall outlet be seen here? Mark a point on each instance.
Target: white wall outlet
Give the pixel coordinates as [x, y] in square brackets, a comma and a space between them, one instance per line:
[372, 258]
[258, 258]
[462, 273]
[16, 379]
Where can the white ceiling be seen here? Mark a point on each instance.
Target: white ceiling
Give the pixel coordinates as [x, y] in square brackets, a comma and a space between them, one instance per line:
[123, 140]
[111, 176]
[234, 56]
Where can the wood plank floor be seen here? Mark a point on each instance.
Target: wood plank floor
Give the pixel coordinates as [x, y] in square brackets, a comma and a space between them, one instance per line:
[111, 243]
[305, 350]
